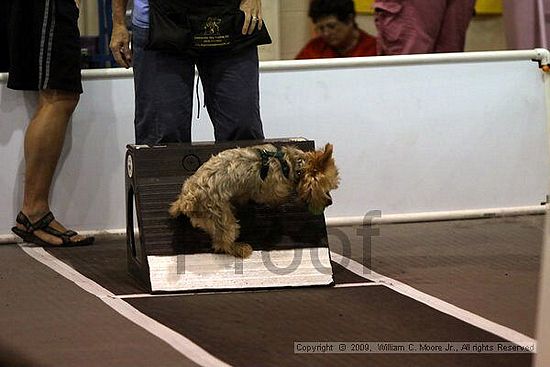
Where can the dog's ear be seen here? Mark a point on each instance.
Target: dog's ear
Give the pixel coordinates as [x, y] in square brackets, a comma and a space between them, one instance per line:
[326, 156]
[321, 159]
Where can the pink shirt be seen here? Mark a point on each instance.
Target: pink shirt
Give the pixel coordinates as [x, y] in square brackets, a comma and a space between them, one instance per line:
[421, 26]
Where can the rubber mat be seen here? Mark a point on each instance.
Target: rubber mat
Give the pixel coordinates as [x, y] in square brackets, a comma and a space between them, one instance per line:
[47, 320]
[487, 266]
[269, 322]
[259, 329]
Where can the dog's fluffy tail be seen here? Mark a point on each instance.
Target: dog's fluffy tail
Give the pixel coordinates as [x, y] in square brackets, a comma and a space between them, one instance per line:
[174, 208]
[183, 205]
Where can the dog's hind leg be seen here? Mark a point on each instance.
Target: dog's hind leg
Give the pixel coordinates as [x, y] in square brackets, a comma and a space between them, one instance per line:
[223, 228]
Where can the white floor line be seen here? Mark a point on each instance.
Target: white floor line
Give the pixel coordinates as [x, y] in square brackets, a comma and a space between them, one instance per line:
[177, 341]
[353, 285]
[154, 295]
[149, 295]
[436, 303]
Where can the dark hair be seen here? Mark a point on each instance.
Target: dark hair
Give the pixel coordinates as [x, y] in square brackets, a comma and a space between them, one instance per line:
[342, 9]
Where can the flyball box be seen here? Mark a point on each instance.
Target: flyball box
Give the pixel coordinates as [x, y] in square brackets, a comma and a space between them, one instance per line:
[167, 254]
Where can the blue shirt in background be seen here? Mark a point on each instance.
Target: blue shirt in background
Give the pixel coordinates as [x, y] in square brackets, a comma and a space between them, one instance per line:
[140, 14]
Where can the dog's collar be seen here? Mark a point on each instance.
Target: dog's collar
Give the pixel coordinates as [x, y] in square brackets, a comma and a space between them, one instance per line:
[265, 155]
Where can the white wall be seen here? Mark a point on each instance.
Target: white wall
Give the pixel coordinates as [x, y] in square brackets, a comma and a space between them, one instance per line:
[421, 138]
[408, 138]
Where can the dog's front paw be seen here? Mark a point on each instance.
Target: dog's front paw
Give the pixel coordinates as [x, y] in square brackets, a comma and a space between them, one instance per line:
[242, 250]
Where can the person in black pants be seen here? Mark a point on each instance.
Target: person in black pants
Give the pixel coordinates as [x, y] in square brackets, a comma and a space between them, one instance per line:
[170, 38]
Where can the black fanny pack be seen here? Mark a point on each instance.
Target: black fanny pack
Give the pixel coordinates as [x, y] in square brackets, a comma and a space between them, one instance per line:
[199, 27]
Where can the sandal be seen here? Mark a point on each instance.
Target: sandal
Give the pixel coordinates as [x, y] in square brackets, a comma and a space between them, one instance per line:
[43, 224]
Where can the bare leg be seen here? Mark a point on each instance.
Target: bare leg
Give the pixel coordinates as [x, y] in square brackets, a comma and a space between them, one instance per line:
[44, 140]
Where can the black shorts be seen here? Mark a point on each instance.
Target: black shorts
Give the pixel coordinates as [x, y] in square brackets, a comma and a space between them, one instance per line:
[44, 43]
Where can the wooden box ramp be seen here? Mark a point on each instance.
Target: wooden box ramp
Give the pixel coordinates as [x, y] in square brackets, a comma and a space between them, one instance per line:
[169, 255]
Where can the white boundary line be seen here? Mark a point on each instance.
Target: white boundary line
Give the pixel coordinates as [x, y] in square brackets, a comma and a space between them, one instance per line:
[433, 302]
[234, 291]
[354, 285]
[486, 213]
[177, 341]
[360, 220]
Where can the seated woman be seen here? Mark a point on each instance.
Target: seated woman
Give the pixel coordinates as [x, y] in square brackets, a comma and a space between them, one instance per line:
[338, 33]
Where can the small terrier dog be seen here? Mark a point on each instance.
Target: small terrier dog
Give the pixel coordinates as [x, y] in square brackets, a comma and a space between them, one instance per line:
[263, 174]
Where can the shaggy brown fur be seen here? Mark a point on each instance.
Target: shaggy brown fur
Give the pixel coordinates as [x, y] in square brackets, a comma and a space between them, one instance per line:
[233, 177]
